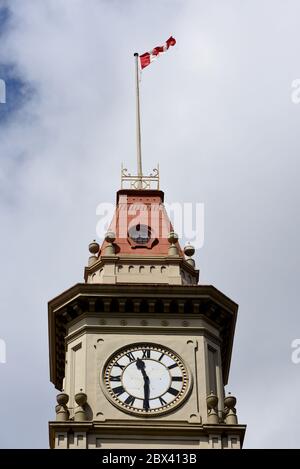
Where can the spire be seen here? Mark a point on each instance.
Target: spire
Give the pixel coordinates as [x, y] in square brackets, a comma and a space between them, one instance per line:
[141, 245]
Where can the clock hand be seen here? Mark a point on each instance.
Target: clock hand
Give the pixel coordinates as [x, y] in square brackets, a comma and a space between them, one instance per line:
[146, 393]
[141, 366]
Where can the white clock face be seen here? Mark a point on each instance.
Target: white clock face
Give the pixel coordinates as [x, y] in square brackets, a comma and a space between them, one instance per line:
[146, 379]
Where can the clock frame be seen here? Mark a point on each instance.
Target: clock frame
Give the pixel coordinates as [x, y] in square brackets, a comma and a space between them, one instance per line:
[146, 379]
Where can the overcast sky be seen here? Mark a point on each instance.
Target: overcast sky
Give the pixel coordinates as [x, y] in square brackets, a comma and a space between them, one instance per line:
[217, 114]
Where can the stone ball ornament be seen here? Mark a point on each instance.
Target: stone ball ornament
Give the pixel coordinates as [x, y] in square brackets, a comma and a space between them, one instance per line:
[230, 401]
[62, 398]
[80, 398]
[173, 237]
[94, 247]
[189, 250]
[110, 237]
[212, 401]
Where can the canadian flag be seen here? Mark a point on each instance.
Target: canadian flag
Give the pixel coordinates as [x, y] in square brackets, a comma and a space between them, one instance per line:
[148, 57]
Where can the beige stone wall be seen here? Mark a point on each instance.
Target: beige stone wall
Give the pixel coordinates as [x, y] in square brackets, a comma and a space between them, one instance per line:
[152, 270]
[90, 344]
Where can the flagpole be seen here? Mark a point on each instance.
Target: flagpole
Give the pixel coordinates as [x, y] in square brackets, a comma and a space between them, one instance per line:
[138, 123]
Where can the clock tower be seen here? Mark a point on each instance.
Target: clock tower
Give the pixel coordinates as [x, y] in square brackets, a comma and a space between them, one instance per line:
[140, 352]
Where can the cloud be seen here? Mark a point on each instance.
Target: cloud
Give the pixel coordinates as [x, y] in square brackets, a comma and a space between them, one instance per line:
[216, 112]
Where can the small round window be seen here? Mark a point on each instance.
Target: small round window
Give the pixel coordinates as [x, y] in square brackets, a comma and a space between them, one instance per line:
[140, 234]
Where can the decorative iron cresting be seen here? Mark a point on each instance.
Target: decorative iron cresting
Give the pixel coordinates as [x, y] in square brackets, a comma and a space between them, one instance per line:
[128, 181]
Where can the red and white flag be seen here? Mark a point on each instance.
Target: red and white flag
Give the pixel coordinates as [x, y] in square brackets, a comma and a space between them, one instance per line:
[148, 57]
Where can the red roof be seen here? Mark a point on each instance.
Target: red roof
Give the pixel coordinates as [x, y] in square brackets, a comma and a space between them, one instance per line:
[141, 210]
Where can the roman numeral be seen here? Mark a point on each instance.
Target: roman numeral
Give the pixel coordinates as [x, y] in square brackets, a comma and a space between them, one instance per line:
[115, 378]
[146, 404]
[161, 357]
[172, 366]
[176, 378]
[130, 400]
[173, 391]
[119, 390]
[162, 401]
[146, 354]
[130, 356]
[119, 366]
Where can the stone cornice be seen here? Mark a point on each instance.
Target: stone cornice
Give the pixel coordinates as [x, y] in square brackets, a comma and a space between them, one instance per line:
[147, 428]
[155, 290]
[82, 299]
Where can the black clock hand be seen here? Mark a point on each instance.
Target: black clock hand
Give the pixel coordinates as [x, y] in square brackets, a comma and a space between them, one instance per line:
[141, 366]
[146, 391]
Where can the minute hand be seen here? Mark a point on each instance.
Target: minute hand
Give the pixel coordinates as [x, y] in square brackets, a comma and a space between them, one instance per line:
[141, 366]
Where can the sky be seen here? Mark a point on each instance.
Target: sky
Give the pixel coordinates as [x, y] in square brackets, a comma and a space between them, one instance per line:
[218, 116]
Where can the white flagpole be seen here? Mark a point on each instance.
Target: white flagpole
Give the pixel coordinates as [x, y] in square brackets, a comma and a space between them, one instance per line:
[138, 123]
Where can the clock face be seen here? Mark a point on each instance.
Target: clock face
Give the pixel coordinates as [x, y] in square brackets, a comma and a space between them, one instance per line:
[146, 379]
